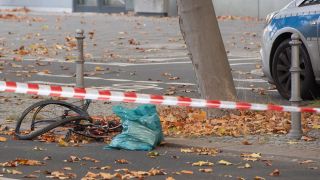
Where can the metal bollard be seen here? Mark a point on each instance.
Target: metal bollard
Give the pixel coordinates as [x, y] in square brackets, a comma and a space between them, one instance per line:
[296, 130]
[80, 61]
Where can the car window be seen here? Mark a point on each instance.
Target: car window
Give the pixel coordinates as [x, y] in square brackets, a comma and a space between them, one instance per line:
[310, 2]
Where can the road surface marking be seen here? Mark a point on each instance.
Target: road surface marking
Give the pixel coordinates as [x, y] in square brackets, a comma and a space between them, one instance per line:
[150, 82]
[136, 64]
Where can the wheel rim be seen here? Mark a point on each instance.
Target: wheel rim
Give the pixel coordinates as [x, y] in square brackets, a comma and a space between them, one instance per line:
[283, 69]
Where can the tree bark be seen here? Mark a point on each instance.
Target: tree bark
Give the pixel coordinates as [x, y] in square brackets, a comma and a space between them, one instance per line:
[200, 29]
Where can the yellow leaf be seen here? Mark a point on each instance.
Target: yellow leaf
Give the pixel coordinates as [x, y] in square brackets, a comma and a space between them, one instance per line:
[293, 142]
[3, 139]
[187, 150]
[253, 155]
[202, 163]
[170, 178]
[259, 178]
[316, 127]
[226, 163]
[62, 143]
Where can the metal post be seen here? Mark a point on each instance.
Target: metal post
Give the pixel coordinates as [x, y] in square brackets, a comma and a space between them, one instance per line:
[80, 61]
[296, 130]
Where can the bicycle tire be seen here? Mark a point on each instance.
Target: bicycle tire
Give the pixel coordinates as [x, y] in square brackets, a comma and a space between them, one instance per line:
[82, 115]
[46, 129]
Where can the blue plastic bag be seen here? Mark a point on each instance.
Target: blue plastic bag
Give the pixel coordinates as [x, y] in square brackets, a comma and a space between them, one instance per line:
[142, 129]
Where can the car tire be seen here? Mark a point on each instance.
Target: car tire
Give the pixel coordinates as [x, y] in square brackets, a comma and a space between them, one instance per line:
[281, 72]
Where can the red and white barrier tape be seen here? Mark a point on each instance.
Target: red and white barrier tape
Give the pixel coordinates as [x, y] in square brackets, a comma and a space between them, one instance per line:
[105, 95]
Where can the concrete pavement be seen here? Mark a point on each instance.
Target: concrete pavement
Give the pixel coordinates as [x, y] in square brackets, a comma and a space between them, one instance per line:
[171, 160]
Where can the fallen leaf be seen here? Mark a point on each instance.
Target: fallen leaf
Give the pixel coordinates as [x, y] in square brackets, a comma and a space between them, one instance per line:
[240, 178]
[307, 162]
[223, 162]
[106, 175]
[186, 172]
[47, 158]
[90, 159]
[170, 178]
[99, 68]
[246, 143]
[67, 168]
[63, 143]
[308, 139]
[246, 166]
[31, 176]
[122, 161]
[292, 142]
[275, 172]
[37, 148]
[187, 150]
[73, 159]
[259, 178]
[10, 171]
[156, 172]
[202, 163]
[153, 154]
[208, 170]
[252, 155]
[3, 139]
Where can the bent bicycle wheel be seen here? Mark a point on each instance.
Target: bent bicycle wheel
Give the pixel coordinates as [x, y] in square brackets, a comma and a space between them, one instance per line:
[47, 116]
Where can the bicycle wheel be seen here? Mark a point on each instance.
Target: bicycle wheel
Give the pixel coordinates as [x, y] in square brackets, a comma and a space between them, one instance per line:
[48, 115]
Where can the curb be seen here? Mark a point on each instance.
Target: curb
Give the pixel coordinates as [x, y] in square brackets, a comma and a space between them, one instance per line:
[265, 149]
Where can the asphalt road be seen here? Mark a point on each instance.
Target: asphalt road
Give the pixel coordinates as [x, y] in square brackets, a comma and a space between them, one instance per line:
[171, 76]
[171, 160]
[143, 54]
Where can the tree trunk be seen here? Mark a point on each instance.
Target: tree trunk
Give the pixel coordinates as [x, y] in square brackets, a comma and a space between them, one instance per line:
[200, 29]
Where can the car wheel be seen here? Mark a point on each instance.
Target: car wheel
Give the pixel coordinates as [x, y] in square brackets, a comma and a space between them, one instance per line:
[281, 72]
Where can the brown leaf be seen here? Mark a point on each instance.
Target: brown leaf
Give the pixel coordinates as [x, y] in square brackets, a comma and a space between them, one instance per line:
[307, 162]
[170, 178]
[275, 172]
[308, 139]
[31, 176]
[91, 34]
[208, 170]
[90, 159]
[156, 172]
[247, 143]
[122, 161]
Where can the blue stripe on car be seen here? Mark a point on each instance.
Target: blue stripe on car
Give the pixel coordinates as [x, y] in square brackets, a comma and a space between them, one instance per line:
[302, 23]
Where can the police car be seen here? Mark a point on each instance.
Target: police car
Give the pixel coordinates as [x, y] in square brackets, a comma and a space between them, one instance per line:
[302, 17]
